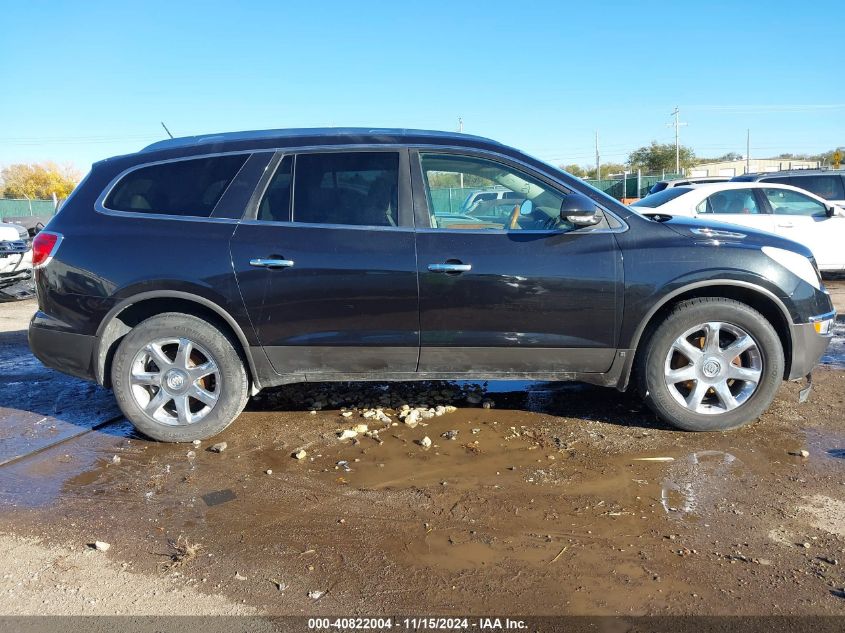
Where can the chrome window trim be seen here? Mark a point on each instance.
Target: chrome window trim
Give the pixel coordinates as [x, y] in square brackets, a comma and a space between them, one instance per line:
[294, 149]
[100, 207]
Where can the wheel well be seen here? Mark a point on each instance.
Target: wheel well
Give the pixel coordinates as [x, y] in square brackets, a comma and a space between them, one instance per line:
[123, 322]
[757, 300]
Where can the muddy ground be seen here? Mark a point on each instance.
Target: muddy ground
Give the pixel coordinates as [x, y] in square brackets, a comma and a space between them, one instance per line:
[562, 499]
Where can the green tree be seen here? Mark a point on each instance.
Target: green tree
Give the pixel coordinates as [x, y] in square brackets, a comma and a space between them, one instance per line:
[660, 156]
[38, 180]
[575, 170]
[607, 169]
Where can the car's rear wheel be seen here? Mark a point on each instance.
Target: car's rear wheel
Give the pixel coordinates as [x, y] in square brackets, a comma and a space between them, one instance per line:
[178, 378]
[712, 364]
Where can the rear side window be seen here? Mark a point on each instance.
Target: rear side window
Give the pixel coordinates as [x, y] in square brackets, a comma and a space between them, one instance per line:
[660, 198]
[185, 187]
[827, 187]
[357, 188]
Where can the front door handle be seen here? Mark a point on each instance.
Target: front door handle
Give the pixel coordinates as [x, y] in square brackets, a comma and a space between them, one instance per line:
[450, 268]
[271, 263]
[786, 225]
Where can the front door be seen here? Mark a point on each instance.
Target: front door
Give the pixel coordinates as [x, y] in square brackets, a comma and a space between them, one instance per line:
[505, 285]
[803, 219]
[327, 268]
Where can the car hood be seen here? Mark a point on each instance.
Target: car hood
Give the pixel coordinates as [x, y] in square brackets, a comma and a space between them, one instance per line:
[715, 233]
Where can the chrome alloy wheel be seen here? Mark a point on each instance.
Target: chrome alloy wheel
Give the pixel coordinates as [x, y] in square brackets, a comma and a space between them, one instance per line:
[175, 381]
[713, 368]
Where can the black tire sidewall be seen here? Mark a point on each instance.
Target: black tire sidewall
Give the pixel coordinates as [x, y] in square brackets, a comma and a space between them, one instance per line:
[234, 387]
[689, 314]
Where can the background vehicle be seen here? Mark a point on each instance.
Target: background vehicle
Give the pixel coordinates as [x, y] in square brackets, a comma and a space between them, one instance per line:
[682, 182]
[15, 263]
[476, 197]
[242, 261]
[787, 211]
[826, 184]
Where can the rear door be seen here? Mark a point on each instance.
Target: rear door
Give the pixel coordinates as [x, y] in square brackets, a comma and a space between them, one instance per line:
[326, 264]
[736, 206]
[804, 219]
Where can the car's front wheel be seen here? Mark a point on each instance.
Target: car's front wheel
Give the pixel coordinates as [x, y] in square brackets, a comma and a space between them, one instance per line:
[178, 378]
[712, 364]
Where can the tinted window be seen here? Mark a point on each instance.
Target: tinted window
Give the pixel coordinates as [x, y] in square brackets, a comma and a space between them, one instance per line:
[737, 201]
[275, 206]
[827, 187]
[360, 188]
[446, 173]
[661, 197]
[786, 202]
[185, 187]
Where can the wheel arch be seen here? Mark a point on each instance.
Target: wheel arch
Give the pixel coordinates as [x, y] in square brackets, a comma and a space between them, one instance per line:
[130, 311]
[755, 296]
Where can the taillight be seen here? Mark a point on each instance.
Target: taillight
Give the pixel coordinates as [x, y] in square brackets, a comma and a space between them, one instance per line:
[44, 246]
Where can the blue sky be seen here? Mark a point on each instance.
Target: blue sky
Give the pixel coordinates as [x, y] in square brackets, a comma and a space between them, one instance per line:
[86, 80]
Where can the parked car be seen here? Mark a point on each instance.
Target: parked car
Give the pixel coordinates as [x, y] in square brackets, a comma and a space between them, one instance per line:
[476, 197]
[201, 270]
[827, 184]
[15, 263]
[787, 211]
[683, 182]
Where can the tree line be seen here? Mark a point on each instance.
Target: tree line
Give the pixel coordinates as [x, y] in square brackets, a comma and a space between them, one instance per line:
[660, 157]
[38, 180]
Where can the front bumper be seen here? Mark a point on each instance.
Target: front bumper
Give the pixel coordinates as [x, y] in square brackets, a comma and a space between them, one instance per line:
[67, 352]
[808, 346]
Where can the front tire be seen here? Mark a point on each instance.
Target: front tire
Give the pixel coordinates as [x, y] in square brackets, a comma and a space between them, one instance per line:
[178, 378]
[713, 364]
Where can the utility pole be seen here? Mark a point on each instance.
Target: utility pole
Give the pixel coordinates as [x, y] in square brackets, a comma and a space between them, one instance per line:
[676, 113]
[461, 130]
[748, 150]
[598, 161]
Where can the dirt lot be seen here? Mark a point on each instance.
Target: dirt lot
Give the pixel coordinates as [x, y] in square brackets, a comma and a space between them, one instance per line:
[561, 499]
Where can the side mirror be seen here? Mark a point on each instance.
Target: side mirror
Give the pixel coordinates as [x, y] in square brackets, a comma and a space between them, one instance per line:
[831, 210]
[526, 208]
[579, 210]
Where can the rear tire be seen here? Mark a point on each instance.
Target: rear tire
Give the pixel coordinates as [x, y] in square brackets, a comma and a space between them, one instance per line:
[690, 376]
[178, 378]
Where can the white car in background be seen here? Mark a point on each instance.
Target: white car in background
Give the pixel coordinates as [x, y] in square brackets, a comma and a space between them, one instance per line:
[787, 211]
[15, 262]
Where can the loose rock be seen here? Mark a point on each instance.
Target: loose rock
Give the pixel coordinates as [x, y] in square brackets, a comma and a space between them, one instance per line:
[100, 546]
[219, 447]
[347, 434]
[425, 442]
[450, 435]
[300, 454]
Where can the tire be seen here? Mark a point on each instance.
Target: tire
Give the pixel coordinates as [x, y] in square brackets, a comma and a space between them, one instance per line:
[725, 321]
[202, 387]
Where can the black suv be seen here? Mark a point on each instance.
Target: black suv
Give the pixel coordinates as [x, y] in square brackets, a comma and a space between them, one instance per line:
[825, 183]
[200, 270]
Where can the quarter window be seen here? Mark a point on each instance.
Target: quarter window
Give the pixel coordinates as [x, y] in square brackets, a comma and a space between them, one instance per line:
[735, 201]
[496, 195]
[185, 187]
[788, 202]
[357, 188]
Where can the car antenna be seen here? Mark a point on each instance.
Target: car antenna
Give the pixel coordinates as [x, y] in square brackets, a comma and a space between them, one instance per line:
[166, 130]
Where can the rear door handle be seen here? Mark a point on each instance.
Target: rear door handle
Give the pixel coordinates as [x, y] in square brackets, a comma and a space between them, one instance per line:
[450, 268]
[786, 225]
[271, 263]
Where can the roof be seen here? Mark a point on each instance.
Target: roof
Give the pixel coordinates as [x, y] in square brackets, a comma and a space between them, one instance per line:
[340, 135]
[792, 172]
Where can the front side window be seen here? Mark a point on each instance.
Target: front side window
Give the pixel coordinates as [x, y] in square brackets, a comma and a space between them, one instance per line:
[827, 187]
[498, 194]
[356, 188]
[185, 187]
[735, 201]
[788, 202]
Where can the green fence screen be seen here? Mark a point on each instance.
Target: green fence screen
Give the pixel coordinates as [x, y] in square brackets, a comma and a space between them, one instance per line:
[10, 208]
